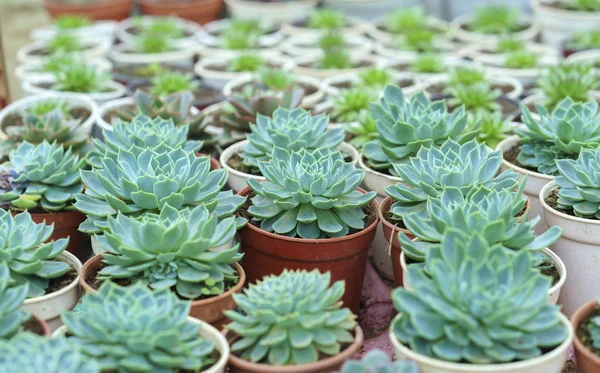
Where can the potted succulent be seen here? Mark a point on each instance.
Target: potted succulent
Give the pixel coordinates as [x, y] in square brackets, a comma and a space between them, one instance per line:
[153, 48]
[491, 22]
[533, 152]
[40, 51]
[496, 279]
[44, 179]
[506, 44]
[288, 341]
[142, 73]
[194, 345]
[569, 202]
[494, 128]
[404, 19]
[591, 56]
[581, 41]
[230, 36]
[418, 41]
[80, 26]
[524, 65]
[37, 268]
[320, 20]
[426, 66]
[180, 31]
[335, 62]
[586, 323]
[277, 12]
[333, 217]
[301, 45]
[57, 62]
[372, 78]
[348, 107]
[96, 9]
[481, 98]
[378, 361]
[559, 20]
[198, 11]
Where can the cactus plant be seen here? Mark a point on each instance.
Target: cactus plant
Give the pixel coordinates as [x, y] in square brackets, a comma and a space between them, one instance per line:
[376, 361]
[575, 80]
[291, 319]
[579, 184]
[11, 298]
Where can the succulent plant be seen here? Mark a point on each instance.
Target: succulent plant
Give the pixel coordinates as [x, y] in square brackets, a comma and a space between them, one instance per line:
[70, 22]
[164, 27]
[82, 79]
[310, 194]
[363, 130]
[427, 64]
[452, 165]
[237, 39]
[336, 59]
[11, 298]
[135, 329]
[27, 255]
[575, 80]
[460, 76]
[375, 77]
[589, 39]
[247, 26]
[579, 184]
[420, 40]
[508, 45]
[332, 42]
[292, 130]
[291, 319]
[64, 43]
[246, 63]
[58, 62]
[326, 19]
[172, 82]
[493, 128]
[561, 134]
[476, 98]
[44, 175]
[521, 60]
[492, 213]
[593, 329]
[405, 126]
[376, 361]
[582, 5]
[349, 104]
[142, 180]
[495, 19]
[275, 79]
[152, 44]
[404, 19]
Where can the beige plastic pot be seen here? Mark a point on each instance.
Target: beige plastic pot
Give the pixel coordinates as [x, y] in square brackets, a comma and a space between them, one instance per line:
[551, 362]
[579, 248]
[331, 85]
[49, 307]
[181, 56]
[456, 28]
[126, 36]
[303, 66]
[375, 180]
[36, 87]
[94, 48]
[277, 12]
[558, 24]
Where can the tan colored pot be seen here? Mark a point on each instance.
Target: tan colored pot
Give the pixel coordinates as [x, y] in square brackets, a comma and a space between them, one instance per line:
[200, 11]
[391, 231]
[117, 10]
[328, 365]
[209, 310]
[587, 361]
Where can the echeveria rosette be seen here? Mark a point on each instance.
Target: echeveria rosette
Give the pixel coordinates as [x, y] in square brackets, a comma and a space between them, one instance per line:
[136, 329]
[476, 303]
[292, 130]
[405, 126]
[25, 252]
[452, 165]
[310, 194]
[377, 361]
[141, 180]
[560, 134]
[11, 300]
[172, 250]
[492, 213]
[44, 175]
[579, 184]
[291, 319]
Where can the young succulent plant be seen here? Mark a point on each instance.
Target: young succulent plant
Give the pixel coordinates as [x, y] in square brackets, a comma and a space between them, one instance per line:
[560, 134]
[70, 22]
[332, 41]
[593, 329]
[465, 76]
[377, 361]
[495, 19]
[292, 130]
[153, 44]
[144, 180]
[584, 40]
[247, 26]
[246, 63]
[326, 19]
[475, 98]
[337, 59]
[291, 319]
[363, 130]
[575, 80]
[137, 248]
[60, 61]
[275, 79]
[434, 169]
[28, 352]
[375, 78]
[27, 254]
[521, 60]
[579, 184]
[82, 79]
[64, 43]
[493, 128]
[40, 176]
[166, 27]
[172, 82]
[427, 64]
[404, 19]
[309, 194]
[581, 5]
[508, 45]
[404, 126]
[12, 317]
[135, 329]
[349, 104]
[419, 40]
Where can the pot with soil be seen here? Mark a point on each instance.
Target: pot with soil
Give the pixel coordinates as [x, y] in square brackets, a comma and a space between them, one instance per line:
[589, 57]
[277, 12]
[585, 324]
[111, 9]
[128, 73]
[439, 86]
[389, 29]
[314, 65]
[171, 54]
[524, 65]
[182, 32]
[427, 66]
[532, 101]
[472, 28]
[494, 50]
[299, 46]
[205, 94]
[40, 51]
[558, 22]
[580, 42]
[199, 11]
[83, 30]
[391, 257]
[335, 84]
[402, 49]
[321, 21]
[105, 91]
[39, 70]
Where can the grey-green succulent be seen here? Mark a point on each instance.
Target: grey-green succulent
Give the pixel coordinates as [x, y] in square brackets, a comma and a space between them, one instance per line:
[579, 184]
[310, 194]
[501, 316]
[575, 80]
[290, 319]
[44, 175]
[376, 361]
[134, 329]
[593, 329]
[11, 299]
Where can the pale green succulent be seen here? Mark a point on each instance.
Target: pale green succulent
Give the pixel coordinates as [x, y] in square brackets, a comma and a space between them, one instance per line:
[28, 352]
[27, 255]
[493, 128]
[246, 63]
[64, 43]
[452, 165]
[508, 45]
[292, 130]
[427, 64]
[134, 329]
[420, 40]
[153, 44]
[60, 61]
[44, 175]
[521, 60]
[495, 19]
[465, 76]
[310, 194]
[575, 80]
[275, 79]
[404, 126]
[82, 78]
[404, 19]
[362, 131]
[376, 361]
[248, 26]
[172, 82]
[70, 22]
[326, 19]
[579, 184]
[141, 180]
[335, 60]
[375, 77]
[12, 317]
[291, 319]
[238, 39]
[560, 134]
[332, 42]
[476, 98]
[589, 39]
[593, 328]
[165, 27]
[349, 104]
[476, 303]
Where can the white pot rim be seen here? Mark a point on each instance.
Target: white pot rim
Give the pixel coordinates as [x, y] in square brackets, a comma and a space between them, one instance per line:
[302, 45]
[374, 61]
[368, 169]
[119, 90]
[574, 15]
[120, 55]
[509, 80]
[354, 27]
[277, 6]
[528, 33]
[352, 77]
[487, 368]
[127, 37]
[203, 67]
[75, 264]
[379, 35]
[505, 145]
[206, 38]
[546, 190]
[95, 48]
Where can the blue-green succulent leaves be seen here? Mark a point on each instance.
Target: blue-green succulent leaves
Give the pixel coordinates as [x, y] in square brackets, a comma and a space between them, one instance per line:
[579, 184]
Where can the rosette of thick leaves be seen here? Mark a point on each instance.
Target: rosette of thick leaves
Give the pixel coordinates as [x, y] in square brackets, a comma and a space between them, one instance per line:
[172, 250]
[579, 184]
[309, 194]
[492, 213]
[11, 300]
[291, 319]
[141, 180]
[478, 304]
[292, 130]
[377, 361]
[404, 126]
[135, 329]
[561, 134]
[44, 175]
[26, 254]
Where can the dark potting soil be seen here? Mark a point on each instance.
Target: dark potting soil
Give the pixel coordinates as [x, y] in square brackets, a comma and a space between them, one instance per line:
[15, 120]
[552, 272]
[522, 27]
[511, 157]
[63, 281]
[34, 326]
[237, 163]
[552, 201]
[390, 218]
[584, 335]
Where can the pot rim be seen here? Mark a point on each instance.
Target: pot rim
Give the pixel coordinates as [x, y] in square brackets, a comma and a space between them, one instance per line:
[503, 145]
[583, 55]
[546, 190]
[73, 263]
[574, 15]
[87, 6]
[368, 170]
[311, 367]
[32, 86]
[45, 327]
[119, 55]
[581, 313]
[386, 204]
[461, 20]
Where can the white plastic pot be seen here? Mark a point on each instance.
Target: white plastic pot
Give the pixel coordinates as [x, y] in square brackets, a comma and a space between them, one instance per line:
[494, 65]
[277, 12]
[534, 184]
[448, 62]
[464, 35]
[559, 24]
[579, 248]
[375, 180]
[308, 101]
[353, 27]
[127, 37]
[208, 36]
[101, 29]
[207, 331]
[50, 306]
[443, 47]
[485, 52]
[182, 56]
[591, 56]
[318, 73]
[516, 92]
[32, 87]
[368, 9]
[375, 31]
[93, 48]
[307, 45]
[329, 84]
[30, 71]
[550, 362]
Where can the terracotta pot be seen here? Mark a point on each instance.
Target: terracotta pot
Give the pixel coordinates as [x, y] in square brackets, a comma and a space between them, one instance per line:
[46, 331]
[115, 9]
[209, 310]
[344, 257]
[200, 11]
[391, 231]
[328, 365]
[587, 361]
